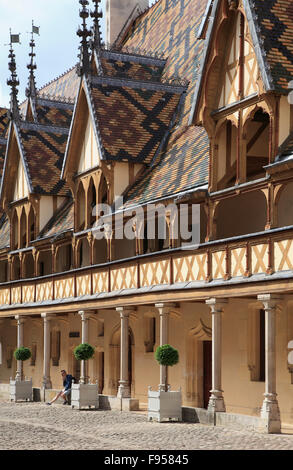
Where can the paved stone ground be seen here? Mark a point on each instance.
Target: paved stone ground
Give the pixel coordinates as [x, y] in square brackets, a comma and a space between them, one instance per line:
[36, 426]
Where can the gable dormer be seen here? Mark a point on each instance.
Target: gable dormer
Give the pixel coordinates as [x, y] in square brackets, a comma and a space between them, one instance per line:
[14, 170]
[237, 99]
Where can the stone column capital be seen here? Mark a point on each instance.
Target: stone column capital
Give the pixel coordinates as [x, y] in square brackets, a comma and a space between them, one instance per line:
[85, 314]
[19, 318]
[47, 316]
[269, 301]
[125, 311]
[217, 305]
[165, 308]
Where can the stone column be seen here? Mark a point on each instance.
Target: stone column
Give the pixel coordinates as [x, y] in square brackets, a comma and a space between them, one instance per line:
[270, 409]
[216, 402]
[84, 339]
[124, 385]
[164, 311]
[47, 384]
[20, 323]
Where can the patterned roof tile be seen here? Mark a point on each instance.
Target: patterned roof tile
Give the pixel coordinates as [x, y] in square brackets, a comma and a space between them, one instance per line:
[4, 121]
[170, 27]
[44, 152]
[275, 22]
[54, 114]
[3, 144]
[132, 121]
[117, 65]
[65, 86]
[184, 166]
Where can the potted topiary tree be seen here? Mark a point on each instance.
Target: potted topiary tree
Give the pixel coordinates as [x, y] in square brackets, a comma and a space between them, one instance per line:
[84, 393]
[21, 388]
[164, 403]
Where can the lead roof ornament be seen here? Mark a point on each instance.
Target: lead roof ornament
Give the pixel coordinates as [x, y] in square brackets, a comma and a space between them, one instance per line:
[13, 82]
[31, 90]
[96, 15]
[84, 33]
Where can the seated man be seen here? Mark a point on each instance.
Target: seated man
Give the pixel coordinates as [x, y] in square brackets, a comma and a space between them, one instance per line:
[67, 381]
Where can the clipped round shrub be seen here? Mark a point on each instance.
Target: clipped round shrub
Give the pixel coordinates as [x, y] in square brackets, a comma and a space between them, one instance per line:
[83, 352]
[22, 354]
[166, 355]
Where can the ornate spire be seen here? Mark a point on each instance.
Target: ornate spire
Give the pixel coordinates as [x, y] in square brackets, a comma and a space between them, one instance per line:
[84, 34]
[13, 82]
[96, 15]
[31, 90]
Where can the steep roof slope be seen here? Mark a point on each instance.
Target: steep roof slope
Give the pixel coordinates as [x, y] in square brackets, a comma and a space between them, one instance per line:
[43, 149]
[133, 119]
[4, 121]
[274, 22]
[170, 28]
[65, 86]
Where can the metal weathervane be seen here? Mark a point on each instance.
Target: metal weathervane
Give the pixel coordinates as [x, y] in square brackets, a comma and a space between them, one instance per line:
[31, 90]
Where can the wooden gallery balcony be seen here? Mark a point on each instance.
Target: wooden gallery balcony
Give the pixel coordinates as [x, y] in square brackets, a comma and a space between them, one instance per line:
[240, 266]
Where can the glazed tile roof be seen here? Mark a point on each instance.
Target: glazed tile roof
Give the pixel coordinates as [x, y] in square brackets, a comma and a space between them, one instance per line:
[274, 19]
[170, 28]
[65, 86]
[62, 221]
[4, 232]
[54, 113]
[4, 121]
[116, 64]
[3, 144]
[132, 121]
[43, 150]
[183, 167]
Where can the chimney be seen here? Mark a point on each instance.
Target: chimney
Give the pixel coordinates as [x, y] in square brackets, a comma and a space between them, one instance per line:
[118, 12]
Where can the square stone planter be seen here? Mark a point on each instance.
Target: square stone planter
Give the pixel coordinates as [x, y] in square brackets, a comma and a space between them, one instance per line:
[164, 405]
[21, 390]
[84, 395]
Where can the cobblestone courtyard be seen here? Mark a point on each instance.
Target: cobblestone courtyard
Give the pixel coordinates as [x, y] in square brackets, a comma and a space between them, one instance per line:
[36, 426]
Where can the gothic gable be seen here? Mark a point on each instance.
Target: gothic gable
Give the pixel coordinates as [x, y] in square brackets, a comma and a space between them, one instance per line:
[83, 149]
[14, 170]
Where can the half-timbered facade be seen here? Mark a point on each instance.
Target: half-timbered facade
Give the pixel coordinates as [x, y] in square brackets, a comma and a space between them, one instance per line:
[188, 105]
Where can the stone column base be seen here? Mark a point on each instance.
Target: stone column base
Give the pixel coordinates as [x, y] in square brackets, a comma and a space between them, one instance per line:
[216, 402]
[270, 414]
[47, 384]
[121, 404]
[123, 390]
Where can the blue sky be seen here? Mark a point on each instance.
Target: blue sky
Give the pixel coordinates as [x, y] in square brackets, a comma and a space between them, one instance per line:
[57, 45]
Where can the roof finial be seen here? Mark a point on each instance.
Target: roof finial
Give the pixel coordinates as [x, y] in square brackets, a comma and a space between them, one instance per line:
[13, 82]
[96, 15]
[31, 90]
[84, 33]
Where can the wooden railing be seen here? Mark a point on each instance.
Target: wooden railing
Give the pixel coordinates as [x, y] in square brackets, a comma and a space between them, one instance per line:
[242, 257]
